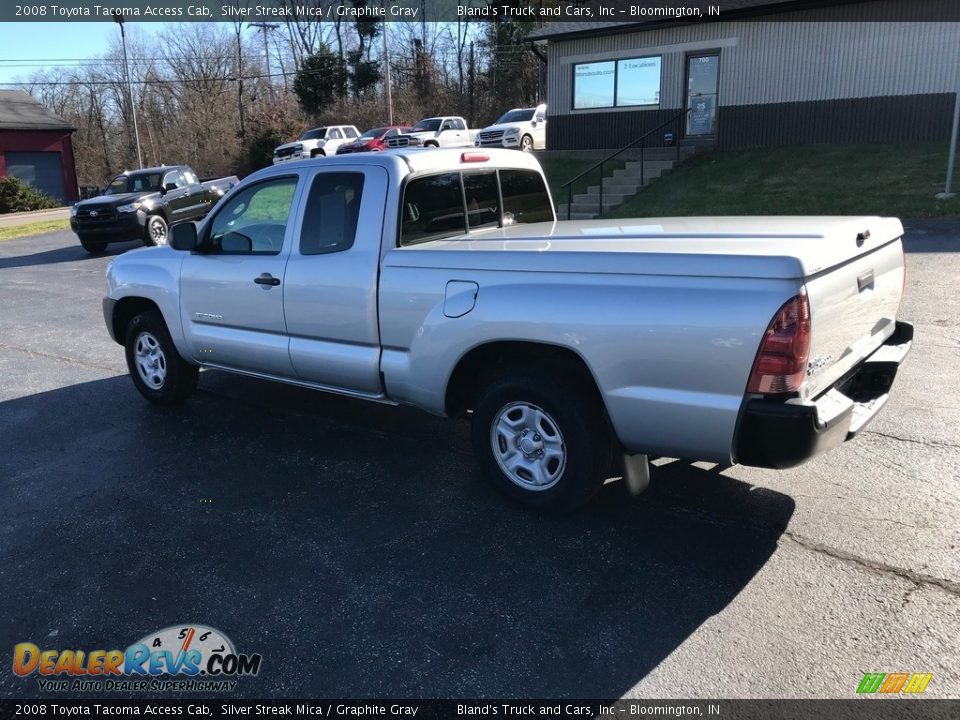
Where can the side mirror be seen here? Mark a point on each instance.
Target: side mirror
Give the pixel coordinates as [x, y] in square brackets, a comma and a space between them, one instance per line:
[183, 236]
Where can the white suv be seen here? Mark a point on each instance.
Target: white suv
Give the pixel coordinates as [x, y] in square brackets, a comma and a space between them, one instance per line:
[316, 142]
[521, 129]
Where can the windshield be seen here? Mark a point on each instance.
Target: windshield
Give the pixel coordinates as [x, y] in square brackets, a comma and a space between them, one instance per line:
[315, 134]
[428, 125]
[517, 116]
[134, 182]
[375, 133]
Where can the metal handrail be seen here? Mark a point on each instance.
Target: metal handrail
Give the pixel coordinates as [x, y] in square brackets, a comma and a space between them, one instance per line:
[569, 183]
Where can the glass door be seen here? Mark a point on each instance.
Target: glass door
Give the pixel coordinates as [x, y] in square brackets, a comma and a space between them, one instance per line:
[703, 77]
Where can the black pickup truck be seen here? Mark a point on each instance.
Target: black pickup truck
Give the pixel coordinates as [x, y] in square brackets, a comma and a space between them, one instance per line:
[143, 204]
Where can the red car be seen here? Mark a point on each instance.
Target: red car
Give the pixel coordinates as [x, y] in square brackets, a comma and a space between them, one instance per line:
[375, 139]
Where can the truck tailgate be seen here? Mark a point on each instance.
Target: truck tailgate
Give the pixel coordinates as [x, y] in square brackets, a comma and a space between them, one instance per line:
[853, 307]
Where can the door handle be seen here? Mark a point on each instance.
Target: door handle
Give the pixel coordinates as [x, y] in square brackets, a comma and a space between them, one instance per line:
[267, 279]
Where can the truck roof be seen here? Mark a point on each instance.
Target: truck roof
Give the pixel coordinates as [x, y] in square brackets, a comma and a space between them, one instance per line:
[159, 169]
[417, 160]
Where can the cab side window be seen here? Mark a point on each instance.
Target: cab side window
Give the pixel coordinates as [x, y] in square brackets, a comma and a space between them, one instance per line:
[172, 177]
[331, 214]
[334, 134]
[254, 221]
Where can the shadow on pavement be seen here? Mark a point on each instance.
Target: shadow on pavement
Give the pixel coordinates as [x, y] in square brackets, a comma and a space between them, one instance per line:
[70, 253]
[354, 546]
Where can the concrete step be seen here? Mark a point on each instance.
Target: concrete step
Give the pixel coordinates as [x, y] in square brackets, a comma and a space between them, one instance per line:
[649, 165]
[615, 186]
[609, 199]
[629, 174]
[576, 214]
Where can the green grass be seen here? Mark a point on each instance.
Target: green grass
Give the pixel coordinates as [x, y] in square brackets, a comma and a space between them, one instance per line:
[44, 226]
[897, 180]
[560, 169]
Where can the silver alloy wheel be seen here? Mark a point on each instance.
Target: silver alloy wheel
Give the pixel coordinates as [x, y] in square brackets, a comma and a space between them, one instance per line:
[150, 360]
[528, 446]
[158, 230]
[526, 144]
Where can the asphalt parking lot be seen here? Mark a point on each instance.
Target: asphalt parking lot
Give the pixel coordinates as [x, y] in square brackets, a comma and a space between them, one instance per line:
[356, 548]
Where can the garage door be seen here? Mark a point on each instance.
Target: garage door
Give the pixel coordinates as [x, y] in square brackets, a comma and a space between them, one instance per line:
[43, 170]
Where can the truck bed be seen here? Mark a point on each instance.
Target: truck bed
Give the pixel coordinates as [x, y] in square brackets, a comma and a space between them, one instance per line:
[761, 247]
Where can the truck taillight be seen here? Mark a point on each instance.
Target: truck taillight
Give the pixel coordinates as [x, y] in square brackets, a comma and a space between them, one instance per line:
[782, 358]
[474, 157]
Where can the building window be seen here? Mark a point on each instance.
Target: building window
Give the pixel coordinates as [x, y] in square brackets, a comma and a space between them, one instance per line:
[632, 82]
[638, 82]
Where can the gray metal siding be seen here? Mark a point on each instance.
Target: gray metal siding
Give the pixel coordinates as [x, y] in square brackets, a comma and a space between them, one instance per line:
[788, 61]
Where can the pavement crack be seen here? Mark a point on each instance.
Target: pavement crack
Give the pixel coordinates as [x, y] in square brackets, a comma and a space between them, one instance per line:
[912, 576]
[928, 443]
[61, 358]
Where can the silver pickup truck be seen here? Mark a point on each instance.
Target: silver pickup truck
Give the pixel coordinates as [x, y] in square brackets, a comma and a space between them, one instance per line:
[442, 280]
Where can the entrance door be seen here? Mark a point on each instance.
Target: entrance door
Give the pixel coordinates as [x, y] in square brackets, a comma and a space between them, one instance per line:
[703, 78]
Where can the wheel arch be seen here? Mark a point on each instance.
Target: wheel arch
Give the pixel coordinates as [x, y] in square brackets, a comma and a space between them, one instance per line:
[487, 359]
[125, 310]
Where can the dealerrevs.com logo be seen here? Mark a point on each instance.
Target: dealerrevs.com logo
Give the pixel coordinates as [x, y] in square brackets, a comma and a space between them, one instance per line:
[177, 658]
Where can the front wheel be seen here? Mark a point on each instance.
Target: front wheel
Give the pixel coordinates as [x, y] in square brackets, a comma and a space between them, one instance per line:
[526, 144]
[155, 232]
[157, 370]
[541, 439]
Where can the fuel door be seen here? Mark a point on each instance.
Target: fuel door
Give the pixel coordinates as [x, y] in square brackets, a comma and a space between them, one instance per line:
[460, 298]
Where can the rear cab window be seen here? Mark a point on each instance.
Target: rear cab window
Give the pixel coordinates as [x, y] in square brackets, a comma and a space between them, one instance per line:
[451, 204]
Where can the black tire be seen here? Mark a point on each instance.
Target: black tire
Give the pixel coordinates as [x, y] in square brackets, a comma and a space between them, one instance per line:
[571, 409]
[317, 153]
[431, 144]
[179, 377]
[152, 235]
[526, 144]
[94, 247]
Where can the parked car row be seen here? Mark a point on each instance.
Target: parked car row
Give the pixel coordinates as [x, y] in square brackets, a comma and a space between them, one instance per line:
[518, 129]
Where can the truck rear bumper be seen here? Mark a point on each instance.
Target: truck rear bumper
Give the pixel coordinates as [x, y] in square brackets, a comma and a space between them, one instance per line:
[781, 434]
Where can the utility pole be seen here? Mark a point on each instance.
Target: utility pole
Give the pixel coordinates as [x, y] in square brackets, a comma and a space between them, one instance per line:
[118, 19]
[264, 27]
[386, 75]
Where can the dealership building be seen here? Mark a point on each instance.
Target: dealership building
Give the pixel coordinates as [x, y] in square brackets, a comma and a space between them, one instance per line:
[35, 146]
[765, 73]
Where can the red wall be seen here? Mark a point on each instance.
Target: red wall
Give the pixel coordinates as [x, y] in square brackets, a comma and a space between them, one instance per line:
[43, 140]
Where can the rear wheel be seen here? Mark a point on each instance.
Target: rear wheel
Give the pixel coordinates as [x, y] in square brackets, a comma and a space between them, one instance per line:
[94, 247]
[155, 232]
[541, 439]
[157, 370]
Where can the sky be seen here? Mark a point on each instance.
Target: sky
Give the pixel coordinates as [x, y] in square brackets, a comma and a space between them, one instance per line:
[23, 46]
